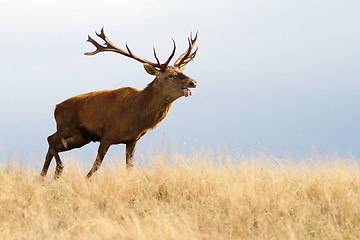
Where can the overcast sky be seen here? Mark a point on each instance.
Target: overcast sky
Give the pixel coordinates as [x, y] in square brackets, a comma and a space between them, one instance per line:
[275, 76]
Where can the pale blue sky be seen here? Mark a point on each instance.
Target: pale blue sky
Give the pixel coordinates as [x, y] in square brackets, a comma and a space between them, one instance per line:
[276, 75]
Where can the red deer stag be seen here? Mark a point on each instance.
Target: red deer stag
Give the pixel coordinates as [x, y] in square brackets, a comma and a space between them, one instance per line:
[118, 116]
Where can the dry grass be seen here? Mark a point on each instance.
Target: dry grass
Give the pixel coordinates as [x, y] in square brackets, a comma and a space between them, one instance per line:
[258, 198]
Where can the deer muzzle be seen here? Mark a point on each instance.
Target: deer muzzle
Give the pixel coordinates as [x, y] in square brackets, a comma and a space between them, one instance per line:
[187, 91]
[193, 84]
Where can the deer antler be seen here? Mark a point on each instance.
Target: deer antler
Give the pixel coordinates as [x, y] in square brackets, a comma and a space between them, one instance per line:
[109, 46]
[187, 56]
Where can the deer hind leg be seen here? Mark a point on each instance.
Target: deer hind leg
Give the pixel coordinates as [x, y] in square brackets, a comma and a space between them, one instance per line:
[47, 162]
[75, 141]
[60, 144]
[103, 148]
[54, 151]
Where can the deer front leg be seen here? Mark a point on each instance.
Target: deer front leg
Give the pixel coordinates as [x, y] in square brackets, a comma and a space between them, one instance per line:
[130, 149]
[104, 146]
[47, 162]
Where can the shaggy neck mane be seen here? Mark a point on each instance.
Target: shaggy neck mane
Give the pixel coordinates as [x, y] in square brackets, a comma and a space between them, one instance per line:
[155, 104]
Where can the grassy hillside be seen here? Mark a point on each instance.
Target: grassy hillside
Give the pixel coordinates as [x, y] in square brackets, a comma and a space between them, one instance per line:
[258, 198]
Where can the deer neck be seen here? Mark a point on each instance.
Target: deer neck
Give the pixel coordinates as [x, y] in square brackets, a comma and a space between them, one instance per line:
[156, 104]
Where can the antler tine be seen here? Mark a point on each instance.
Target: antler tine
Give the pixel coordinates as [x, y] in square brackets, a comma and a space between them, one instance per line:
[187, 56]
[129, 51]
[157, 59]
[102, 35]
[171, 55]
[190, 58]
[97, 45]
[100, 48]
[193, 41]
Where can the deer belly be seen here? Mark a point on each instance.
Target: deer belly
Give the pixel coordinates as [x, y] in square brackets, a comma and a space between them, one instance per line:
[91, 133]
[126, 136]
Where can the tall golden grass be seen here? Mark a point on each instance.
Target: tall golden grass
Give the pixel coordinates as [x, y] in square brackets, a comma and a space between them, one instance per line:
[188, 197]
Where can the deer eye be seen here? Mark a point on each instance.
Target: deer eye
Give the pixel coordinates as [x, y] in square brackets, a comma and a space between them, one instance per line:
[172, 75]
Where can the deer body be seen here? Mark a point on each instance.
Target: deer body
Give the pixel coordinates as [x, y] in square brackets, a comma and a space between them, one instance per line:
[111, 113]
[118, 116]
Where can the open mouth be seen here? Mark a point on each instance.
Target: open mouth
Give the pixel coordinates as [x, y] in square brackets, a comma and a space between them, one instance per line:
[187, 92]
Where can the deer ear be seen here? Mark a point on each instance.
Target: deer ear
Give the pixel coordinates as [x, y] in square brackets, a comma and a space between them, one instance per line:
[151, 69]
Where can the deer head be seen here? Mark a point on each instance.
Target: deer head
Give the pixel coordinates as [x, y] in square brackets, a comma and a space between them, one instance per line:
[171, 79]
